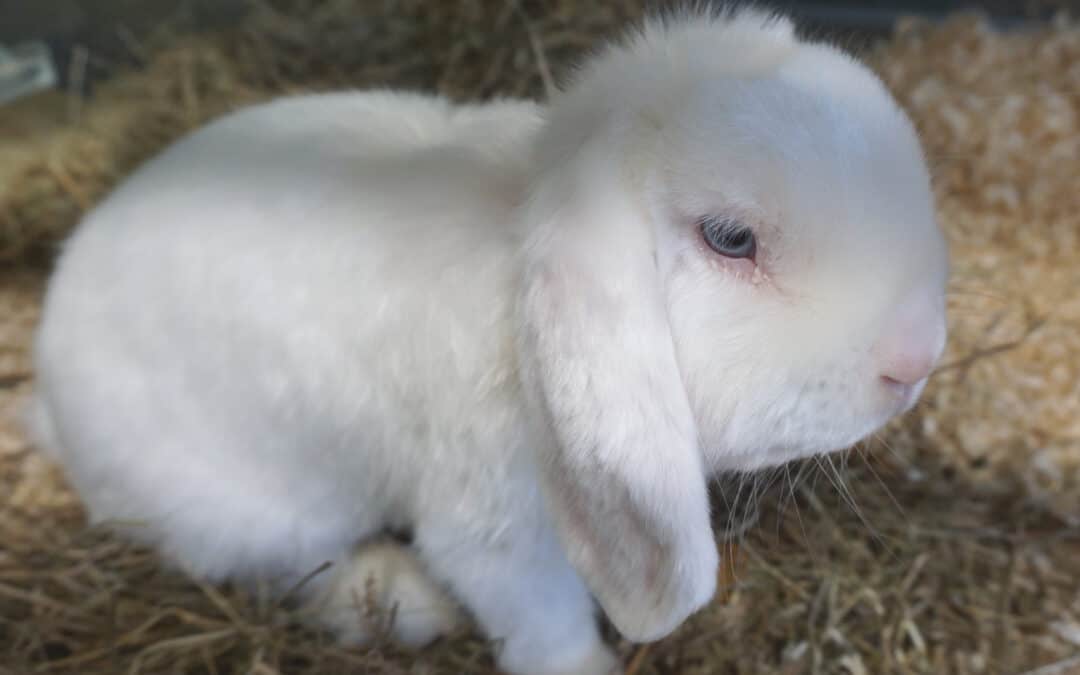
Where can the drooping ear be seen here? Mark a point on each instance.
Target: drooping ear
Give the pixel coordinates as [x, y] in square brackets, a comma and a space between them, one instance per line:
[623, 473]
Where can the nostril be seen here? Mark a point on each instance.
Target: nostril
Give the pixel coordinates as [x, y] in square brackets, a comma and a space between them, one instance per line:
[907, 359]
[910, 343]
[908, 368]
[896, 386]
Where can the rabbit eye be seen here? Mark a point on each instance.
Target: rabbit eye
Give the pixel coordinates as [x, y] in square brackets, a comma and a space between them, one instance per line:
[729, 237]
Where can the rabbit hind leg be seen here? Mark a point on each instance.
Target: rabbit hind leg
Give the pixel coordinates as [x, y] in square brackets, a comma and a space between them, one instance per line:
[383, 590]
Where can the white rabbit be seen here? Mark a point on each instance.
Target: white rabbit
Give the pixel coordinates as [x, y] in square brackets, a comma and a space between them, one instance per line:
[527, 334]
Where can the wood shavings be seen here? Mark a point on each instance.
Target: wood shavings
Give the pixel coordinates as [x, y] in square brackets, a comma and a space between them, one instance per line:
[954, 545]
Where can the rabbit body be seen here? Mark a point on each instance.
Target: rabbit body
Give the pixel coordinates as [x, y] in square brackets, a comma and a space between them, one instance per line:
[511, 329]
[292, 330]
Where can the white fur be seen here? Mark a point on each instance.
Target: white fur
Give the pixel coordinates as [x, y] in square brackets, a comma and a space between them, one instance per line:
[496, 325]
[383, 588]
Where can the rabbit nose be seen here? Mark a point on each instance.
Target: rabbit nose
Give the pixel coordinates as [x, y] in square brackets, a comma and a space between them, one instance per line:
[908, 369]
[911, 346]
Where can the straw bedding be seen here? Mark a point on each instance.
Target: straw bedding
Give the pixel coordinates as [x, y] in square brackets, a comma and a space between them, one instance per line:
[950, 543]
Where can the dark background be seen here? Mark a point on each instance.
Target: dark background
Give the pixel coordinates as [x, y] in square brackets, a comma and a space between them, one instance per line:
[102, 33]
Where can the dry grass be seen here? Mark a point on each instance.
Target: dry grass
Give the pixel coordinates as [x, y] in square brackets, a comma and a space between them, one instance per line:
[954, 545]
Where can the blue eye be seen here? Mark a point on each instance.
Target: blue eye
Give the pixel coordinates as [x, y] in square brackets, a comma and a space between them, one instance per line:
[729, 237]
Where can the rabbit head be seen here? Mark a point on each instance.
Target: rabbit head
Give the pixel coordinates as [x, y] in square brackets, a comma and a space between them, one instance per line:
[731, 261]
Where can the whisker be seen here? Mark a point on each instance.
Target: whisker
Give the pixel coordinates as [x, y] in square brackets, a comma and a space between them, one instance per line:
[817, 476]
[751, 503]
[793, 484]
[888, 492]
[879, 537]
[844, 459]
[903, 461]
[849, 499]
[730, 525]
[781, 503]
[839, 485]
[773, 474]
[794, 498]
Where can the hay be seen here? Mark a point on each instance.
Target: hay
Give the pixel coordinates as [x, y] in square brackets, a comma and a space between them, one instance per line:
[958, 547]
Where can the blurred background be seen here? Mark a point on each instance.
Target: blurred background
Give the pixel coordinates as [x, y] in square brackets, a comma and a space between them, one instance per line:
[88, 39]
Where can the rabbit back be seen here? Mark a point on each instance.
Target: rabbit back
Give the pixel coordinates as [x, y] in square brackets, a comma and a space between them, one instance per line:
[274, 336]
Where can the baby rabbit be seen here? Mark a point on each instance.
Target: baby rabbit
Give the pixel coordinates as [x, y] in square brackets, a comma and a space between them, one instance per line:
[527, 334]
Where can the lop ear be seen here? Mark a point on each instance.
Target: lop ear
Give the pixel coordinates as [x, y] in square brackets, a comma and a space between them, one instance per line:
[623, 473]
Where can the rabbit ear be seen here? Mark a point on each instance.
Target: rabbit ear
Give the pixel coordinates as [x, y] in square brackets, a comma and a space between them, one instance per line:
[623, 474]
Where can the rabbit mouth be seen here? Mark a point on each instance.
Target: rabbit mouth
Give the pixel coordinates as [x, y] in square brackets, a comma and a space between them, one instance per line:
[908, 396]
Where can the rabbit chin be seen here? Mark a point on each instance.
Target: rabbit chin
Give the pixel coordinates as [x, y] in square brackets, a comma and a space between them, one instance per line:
[746, 445]
[770, 456]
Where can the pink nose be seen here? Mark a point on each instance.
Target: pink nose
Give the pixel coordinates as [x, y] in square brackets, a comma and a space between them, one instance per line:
[908, 367]
[911, 345]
